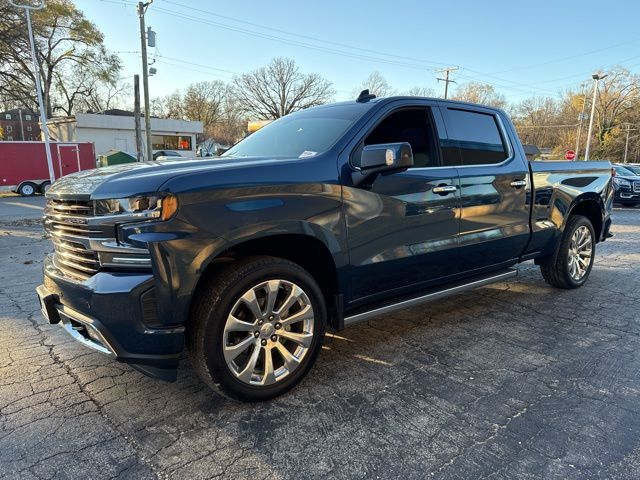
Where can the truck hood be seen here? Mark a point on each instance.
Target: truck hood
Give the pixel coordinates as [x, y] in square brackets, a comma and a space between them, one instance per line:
[121, 181]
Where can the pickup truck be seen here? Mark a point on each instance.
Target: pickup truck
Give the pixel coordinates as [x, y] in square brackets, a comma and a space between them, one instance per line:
[322, 219]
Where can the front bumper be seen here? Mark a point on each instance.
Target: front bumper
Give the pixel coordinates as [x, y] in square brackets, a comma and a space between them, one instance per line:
[626, 196]
[115, 314]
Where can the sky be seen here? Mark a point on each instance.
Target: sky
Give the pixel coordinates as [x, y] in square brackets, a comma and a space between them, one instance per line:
[522, 48]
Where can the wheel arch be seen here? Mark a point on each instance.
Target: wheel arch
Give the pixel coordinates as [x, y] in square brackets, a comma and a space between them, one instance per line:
[591, 207]
[305, 250]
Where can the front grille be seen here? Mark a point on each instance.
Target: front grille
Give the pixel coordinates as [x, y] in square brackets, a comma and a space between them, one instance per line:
[65, 221]
[636, 187]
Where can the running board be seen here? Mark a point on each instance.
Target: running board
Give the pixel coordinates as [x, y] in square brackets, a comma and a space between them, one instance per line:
[412, 302]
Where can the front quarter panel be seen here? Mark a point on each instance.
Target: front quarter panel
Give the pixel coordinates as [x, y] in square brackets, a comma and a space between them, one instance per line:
[210, 220]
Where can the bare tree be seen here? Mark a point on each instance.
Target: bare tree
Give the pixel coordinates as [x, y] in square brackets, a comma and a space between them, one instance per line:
[618, 100]
[204, 101]
[481, 93]
[536, 120]
[419, 92]
[64, 39]
[280, 88]
[169, 106]
[92, 87]
[377, 85]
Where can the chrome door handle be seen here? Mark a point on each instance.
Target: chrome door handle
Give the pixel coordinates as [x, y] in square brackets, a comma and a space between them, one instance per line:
[518, 183]
[444, 189]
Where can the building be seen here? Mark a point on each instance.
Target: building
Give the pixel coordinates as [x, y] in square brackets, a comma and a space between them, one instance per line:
[115, 129]
[19, 125]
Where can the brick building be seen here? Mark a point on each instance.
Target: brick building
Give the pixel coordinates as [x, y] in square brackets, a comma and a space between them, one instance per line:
[19, 124]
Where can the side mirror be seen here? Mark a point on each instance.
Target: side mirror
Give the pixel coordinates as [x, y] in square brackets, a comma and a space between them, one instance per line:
[386, 157]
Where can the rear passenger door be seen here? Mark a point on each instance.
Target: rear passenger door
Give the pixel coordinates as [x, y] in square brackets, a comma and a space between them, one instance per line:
[494, 187]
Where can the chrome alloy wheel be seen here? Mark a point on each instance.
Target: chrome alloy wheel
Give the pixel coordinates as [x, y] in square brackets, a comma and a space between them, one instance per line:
[580, 253]
[268, 332]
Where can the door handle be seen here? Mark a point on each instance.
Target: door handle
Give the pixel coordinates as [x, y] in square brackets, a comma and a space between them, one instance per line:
[518, 183]
[444, 189]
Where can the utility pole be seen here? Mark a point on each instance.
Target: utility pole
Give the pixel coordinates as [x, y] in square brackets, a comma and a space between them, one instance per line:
[21, 124]
[596, 78]
[142, 8]
[36, 73]
[626, 145]
[136, 116]
[446, 80]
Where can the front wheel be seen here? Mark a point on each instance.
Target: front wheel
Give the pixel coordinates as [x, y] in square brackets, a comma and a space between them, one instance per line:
[256, 328]
[570, 265]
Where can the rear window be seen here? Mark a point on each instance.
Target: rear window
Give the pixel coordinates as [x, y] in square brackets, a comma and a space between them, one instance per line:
[477, 136]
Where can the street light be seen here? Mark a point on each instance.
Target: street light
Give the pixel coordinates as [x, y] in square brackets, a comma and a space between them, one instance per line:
[596, 77]
[38, 5]
[581, 118]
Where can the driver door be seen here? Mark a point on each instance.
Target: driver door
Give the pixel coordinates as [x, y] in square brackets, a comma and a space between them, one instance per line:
[403, 226]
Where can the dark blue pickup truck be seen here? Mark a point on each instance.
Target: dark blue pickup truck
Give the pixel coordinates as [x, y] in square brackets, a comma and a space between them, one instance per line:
[322, 219]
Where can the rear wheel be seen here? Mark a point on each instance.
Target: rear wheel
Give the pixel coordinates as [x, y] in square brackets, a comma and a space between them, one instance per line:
[27, 189]
[44, 186]
[257, 328]
[570, 265]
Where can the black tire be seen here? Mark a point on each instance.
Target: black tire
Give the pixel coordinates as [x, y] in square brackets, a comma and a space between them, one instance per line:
[212, 306]
[44, 186]
[27, 189]
[556, 269]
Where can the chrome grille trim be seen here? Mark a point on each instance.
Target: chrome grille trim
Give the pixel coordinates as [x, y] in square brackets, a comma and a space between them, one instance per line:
[65, 222]
[80, 239]
[636, 186]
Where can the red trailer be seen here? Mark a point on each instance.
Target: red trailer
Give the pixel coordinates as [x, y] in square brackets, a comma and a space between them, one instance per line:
[23, 165]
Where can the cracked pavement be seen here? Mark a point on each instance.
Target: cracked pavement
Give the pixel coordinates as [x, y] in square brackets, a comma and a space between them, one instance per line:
[513, 380]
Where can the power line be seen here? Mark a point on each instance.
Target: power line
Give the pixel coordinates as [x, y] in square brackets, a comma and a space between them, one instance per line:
[528, 89]
[570, 57]
[308, 37]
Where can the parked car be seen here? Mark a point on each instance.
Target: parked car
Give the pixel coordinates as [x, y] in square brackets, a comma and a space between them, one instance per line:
[324, 218]
[635, 168]
[165, 153]
[627, 186]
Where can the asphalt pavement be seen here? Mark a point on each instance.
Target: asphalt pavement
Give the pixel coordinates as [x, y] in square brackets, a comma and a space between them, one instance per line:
[15, 208]
[513, 380]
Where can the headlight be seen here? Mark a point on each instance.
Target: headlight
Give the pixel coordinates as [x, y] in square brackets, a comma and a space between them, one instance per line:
[142, 207]
[621, 182]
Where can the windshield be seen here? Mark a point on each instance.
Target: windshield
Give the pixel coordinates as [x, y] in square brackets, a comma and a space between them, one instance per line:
[633, 168]
[624, 171]
[302, 134]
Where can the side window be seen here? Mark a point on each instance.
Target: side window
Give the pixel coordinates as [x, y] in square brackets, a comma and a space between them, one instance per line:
[412, 125]
[477, 136]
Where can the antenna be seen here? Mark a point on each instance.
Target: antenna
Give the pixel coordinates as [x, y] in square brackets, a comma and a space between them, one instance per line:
[365, 96]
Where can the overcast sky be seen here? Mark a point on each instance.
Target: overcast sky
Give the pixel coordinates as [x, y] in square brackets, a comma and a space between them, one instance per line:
[523, 48]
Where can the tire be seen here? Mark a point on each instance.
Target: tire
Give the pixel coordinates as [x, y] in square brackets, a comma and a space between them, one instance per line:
[27, 189]
[44, 186]
[557, 270]
[211, 331]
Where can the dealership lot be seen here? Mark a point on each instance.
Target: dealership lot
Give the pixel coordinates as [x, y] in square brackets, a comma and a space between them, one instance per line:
[514, 380]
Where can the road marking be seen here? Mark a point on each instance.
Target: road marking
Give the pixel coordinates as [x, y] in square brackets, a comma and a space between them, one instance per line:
[25, 205]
